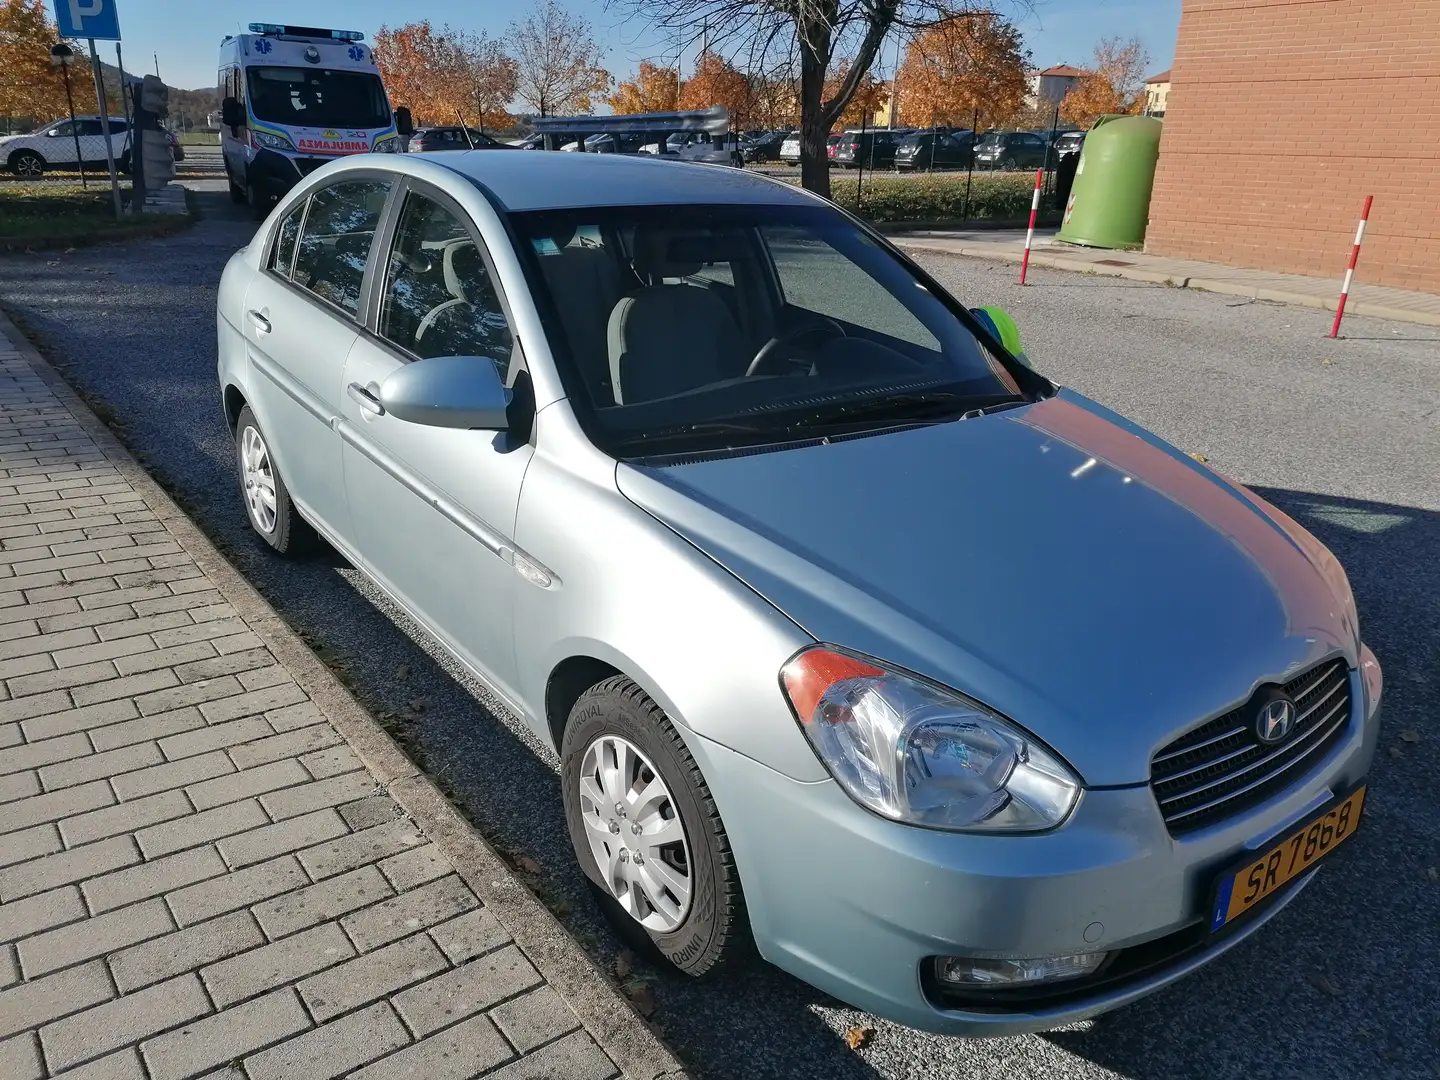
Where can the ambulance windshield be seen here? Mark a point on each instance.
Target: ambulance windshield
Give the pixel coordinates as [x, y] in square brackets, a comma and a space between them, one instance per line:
[317, 97]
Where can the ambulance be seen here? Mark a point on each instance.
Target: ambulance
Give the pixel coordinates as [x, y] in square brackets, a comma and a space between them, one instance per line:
[293, 98]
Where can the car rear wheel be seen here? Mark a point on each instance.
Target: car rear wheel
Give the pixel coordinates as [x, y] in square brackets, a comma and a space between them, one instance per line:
[267, 500]
[647, 833]
[1008, 165]
[27, 163]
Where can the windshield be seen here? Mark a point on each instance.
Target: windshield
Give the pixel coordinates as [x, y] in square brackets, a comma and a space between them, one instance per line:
[317, 97]
[691, 328]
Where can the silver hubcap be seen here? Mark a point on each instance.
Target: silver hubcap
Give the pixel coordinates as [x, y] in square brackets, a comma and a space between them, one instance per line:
[635, 833]
[259, 480]
[28, 166]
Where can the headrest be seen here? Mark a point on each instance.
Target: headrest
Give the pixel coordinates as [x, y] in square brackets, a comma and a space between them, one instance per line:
[654, 257]
[464, 271]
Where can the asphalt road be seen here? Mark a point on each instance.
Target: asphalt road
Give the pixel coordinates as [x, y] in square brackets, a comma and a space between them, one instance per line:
[1344, 435]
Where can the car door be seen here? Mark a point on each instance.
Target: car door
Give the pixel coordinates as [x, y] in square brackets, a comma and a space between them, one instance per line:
[300, 321]
[433, 509]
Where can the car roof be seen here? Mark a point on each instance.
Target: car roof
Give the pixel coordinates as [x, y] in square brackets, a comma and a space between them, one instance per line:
[546, 180]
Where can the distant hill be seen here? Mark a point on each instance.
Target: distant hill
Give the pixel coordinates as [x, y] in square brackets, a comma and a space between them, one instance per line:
[188, 108]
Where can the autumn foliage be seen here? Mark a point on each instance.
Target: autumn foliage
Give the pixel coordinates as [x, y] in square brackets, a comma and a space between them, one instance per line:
[30, 88]
[654, 89]
[869, 96]
[1116, 85]
[558, 61]
[441, 75]
[961, 67]
[716, 82]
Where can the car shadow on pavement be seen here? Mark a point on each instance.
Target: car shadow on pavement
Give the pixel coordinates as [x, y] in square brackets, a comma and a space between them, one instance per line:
[1342, 983]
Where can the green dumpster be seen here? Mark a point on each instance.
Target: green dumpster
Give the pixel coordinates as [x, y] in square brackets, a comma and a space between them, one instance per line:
[1109, 204]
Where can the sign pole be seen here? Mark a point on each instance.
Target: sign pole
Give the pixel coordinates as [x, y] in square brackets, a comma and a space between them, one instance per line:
[62, 54]
[105, 124]
[137, 157]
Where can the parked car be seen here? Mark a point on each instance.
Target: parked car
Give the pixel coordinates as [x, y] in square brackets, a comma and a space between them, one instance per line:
[1010, 150]
[974, 704]
[831, 143]
[613, 143]
[53, 146]
[790, 149]
[1071, 142]
[874, 149]
[453, 138]
[765, 148]
[935, 150]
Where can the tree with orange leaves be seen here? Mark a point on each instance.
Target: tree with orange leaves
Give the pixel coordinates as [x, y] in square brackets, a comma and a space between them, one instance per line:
[717, 82]
[559, 61]
[870, 94]
[963, 66]
[654, 89]
[1116, 85]
[29, 87]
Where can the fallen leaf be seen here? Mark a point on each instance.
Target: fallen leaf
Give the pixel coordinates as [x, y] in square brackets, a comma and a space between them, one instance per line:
[1199, 457]
[857, 1037]
[1323, 983]
[1433, 874]
[624, 963]
[403, 671]
[529, 865]
[642, 998]
[417, 704]
[1396, 752]
[1410, 736]
[1327, 362]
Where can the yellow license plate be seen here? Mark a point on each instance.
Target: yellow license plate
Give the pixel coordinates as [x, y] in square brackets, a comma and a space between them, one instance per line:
[1241, 890]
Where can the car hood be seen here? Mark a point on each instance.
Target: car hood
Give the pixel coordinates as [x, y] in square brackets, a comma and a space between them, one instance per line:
[1054, 561]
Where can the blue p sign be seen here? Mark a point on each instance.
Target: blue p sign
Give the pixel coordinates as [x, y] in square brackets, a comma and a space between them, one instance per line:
[96, 19]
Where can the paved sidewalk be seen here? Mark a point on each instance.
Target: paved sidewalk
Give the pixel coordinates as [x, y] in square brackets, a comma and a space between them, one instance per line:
[199, 875]
[1008, 245]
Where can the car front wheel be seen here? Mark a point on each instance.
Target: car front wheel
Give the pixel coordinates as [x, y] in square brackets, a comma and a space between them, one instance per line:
[27, 163]
[267, 500]
[647, 833]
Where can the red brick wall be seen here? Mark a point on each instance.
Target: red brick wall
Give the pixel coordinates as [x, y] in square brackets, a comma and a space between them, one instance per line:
[1283, 115]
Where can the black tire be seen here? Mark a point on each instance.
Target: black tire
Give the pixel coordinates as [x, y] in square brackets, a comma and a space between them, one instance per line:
[26, 163]
[237, 192]
[290, 534]
[259, 205]
[122, 164]
[1008, 165]
[715, 933]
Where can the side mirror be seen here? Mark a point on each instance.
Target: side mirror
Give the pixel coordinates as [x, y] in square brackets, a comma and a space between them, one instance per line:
[231, 114]
[1003, 328]
[404, 122]
[448, 392]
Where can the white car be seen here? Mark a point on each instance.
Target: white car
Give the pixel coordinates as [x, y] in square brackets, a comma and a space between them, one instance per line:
[54, 146]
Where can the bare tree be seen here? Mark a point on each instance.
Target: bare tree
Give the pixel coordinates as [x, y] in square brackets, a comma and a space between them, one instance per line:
[489, 77]
[557, 61]
[822, 32]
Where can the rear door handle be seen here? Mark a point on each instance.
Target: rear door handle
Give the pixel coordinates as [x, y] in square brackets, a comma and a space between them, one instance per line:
[365, 399]
[261, 322]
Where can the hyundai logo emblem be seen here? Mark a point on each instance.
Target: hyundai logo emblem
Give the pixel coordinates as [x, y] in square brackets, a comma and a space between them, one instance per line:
[1275, 721]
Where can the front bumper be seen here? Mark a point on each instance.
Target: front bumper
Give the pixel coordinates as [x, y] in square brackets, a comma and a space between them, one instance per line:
[853, 904]
[274, 173]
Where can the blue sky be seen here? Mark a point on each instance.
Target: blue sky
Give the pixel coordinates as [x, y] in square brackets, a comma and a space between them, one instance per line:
[186, 36]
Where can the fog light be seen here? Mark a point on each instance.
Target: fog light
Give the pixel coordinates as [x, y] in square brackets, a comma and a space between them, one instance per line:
[975, 971]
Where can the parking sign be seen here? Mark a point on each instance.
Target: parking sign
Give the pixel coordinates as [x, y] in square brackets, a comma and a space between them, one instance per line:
[95, 19]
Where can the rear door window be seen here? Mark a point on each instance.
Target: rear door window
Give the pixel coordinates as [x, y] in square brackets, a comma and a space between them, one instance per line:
[335, 241]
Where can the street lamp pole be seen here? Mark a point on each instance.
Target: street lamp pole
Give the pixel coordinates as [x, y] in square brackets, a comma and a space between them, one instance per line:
[61, 56]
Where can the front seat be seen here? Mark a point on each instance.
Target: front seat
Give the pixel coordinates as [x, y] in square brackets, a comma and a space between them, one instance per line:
[669, 337]
[470, 323]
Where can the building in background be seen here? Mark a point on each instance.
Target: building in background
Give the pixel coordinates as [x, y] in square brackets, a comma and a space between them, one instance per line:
[1157, 92]
[1282, 117]
[1052, 84]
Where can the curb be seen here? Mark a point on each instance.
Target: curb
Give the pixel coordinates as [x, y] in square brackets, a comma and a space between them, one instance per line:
[615, 1026]
[1228, 288]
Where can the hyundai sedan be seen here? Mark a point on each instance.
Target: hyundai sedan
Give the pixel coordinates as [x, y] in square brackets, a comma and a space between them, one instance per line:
[959, 696]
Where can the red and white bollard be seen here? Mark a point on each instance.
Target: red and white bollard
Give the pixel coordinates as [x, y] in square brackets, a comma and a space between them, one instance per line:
[1350, 270]
[1030, 234]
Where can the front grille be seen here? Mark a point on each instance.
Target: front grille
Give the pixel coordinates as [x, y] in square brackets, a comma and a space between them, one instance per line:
[1222, 768]
[307, 165]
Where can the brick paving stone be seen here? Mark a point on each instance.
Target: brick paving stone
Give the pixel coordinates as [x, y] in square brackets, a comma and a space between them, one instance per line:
[328, 899]
[575, 1057]
[249, 782]
[187, 950]
[113, 651]
[125, 686]
[415, 867]
[272, 966]
[293, 801]
[257, 701]
[20, 1058]
[260, 678]
[54, 805]
[38, 1002]
[292, 835]
[236, 890]
[97, 766]
[147, 728]
[227, 1036]
[415, 910]
[229, 664]
[123, 1021]
[475, 986]
[375, 810]
[35, 705]
[124, 817]
[157, 626]
[471, 934]
[66, 867]
[19, 786]
[46, 643]
[177, 694]
[9, 966]
[103, 934]
[22, 918]
[465, 1050]
[215, 737]
[295, 716]
[152, 878]
[332, 1050]
[291, 744]
[374, 975]
[158, 658]
[35, 755]
[24, 665]
[30, 844]
[323, 764]
[359, 848]
[121, 1065]
[200, 828]
[10, 735]
[172, 775]
[534, 1018]
[180, 628]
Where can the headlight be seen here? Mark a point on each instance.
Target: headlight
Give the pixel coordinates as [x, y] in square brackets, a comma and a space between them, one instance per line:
[919, 754]
[388, 146]
[272, 142]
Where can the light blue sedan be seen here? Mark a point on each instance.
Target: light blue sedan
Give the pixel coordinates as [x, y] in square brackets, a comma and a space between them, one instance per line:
[965, 699]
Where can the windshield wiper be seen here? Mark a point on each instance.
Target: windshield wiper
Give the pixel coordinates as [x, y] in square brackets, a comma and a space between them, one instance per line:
[681, 432]
[915, 405]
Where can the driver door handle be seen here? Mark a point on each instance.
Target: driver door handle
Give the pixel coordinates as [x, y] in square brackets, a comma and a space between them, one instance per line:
[365, 399]
[261, 322]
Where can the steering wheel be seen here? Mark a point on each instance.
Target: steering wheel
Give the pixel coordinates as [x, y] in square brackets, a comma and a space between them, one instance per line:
[771, 354]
